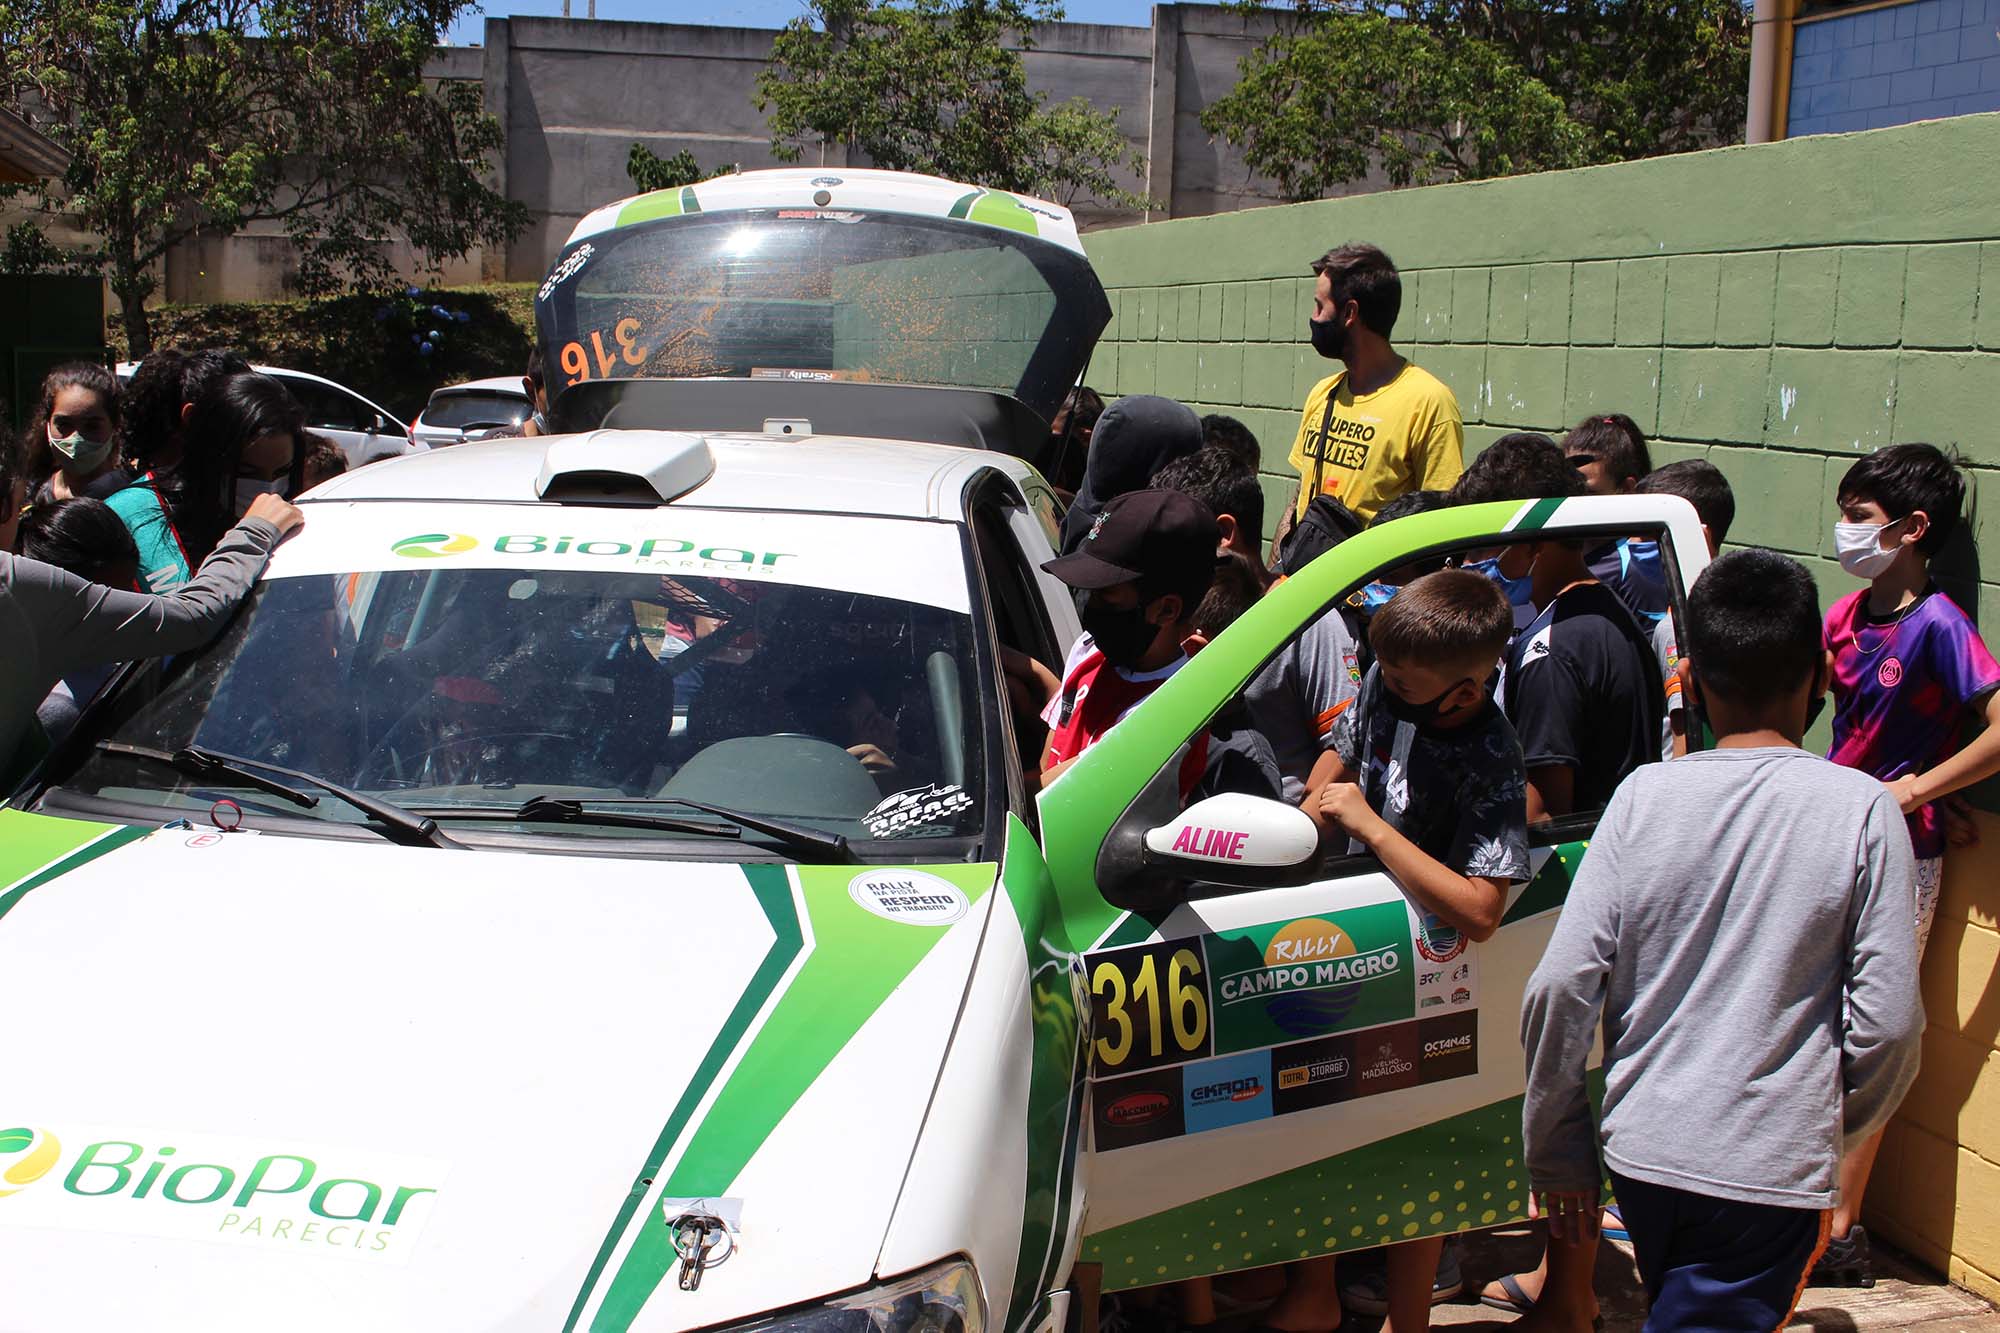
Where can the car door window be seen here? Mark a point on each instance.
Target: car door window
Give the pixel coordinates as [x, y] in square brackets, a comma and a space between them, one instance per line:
[327, 408]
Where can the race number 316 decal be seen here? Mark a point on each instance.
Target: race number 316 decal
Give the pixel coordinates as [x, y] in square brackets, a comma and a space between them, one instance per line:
[625, 348]
[1149, 1006]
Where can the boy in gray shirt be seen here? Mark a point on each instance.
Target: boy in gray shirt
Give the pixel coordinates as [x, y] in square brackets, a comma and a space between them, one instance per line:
[1742, 923]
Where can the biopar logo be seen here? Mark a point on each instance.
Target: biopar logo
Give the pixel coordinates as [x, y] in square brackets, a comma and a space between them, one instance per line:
[433, 545]
[673, 552]
[213, 1191]
[28, 1154]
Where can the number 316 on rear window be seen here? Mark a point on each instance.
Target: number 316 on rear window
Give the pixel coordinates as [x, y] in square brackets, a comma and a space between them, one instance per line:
[597, 361]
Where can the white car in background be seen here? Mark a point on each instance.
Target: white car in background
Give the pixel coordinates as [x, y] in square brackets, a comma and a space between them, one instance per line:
[459, 412]
[366, 431]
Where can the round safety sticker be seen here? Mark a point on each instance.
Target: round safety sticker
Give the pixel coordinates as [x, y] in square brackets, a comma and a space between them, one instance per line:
[909, 896]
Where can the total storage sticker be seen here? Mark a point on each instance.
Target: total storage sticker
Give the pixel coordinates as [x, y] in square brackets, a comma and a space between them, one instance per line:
[909, 896]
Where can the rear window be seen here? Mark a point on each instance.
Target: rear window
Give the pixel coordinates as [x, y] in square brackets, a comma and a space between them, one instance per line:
[481, 408]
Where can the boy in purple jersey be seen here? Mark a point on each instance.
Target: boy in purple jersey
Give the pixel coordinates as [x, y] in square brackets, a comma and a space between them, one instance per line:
[1909, 674]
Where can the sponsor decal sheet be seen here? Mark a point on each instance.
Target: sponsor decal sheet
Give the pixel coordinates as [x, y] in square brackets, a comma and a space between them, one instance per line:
[1207, 1031]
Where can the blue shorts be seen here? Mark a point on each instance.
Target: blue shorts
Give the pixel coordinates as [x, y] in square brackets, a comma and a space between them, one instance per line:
[1715, 1264]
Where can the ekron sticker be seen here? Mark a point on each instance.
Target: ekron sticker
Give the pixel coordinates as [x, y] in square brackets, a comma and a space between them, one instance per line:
[275, 1194]
[911, 897]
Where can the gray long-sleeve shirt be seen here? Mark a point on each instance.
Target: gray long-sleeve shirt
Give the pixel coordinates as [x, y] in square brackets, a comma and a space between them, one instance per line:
[53, 623]
[1729, 903]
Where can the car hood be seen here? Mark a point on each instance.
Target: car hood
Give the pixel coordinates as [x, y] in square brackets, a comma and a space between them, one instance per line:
[257, 1082]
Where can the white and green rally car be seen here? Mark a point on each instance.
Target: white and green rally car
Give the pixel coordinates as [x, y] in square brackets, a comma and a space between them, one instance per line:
[590, 885]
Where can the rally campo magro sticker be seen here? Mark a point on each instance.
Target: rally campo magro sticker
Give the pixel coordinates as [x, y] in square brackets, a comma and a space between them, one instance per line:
[909, 896]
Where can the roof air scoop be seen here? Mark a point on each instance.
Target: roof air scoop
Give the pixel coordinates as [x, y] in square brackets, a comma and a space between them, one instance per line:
[624, 466]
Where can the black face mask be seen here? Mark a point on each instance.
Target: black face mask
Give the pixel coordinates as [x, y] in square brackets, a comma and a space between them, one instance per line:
[1329, 338]
[1123, 636]
[1418, 715]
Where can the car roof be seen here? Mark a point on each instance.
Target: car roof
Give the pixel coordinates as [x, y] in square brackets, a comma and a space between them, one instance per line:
[833, 474]
[125, 370]
[506, 384]
[866, 188]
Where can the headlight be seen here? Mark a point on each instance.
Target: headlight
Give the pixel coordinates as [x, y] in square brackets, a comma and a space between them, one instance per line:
[944, 1299]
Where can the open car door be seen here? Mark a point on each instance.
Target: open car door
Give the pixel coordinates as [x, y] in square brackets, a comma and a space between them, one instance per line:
[1286, 1059]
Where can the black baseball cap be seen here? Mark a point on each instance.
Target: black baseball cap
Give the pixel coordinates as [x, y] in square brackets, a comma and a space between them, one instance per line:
[1165, 538]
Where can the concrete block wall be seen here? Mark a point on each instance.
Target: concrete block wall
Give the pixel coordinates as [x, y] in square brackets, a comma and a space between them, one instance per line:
[1894, 65]
[1778, 309]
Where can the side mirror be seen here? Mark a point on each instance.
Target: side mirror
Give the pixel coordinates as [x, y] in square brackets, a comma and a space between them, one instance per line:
[377, 426]
[1239, 840]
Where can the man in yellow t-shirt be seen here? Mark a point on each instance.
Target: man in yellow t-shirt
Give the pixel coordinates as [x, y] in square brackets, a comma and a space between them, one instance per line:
[1394, 427]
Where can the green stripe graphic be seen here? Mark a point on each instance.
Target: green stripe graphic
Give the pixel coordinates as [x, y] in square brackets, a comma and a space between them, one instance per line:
[1055, 1073]
[35, 849]
[774, 895]
[856, 961]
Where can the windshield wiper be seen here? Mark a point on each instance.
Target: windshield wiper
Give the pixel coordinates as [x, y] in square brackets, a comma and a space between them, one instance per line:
[561, 810]
[398, 825]
[802, 840]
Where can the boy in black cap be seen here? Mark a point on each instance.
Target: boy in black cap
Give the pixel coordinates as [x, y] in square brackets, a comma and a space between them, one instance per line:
[1144, 566]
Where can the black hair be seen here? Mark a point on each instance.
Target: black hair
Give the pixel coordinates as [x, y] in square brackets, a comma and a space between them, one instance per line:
[1215, 477]
[1702, 485]
[1525, 465]
[1753, 632]
[1615, 438]
[1221, 432]
[1361, 273]
[231, 415]
[166, 381]
[1411, 502]
[37, 457]
[10, 468]
[1084, 405]
[535, 374]
[1904, 478]
[84, 536]
[1235, 589]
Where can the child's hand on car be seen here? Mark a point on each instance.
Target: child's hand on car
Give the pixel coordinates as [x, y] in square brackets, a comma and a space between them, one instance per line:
[1342, 805]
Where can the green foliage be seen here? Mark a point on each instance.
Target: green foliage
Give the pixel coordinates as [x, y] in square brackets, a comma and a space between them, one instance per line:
[28, 251]
[651, 172]
[364, 341]
[191, 116]
[1441, 90]
[933, 86]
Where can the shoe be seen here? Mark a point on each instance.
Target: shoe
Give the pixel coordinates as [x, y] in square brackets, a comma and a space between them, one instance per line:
[1367, 1292]
[1845, 1262]
[1620, 1232]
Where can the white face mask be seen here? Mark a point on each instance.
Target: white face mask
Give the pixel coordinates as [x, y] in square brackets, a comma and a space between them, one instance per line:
[78, 452]
[1860, 548]
[249, 488]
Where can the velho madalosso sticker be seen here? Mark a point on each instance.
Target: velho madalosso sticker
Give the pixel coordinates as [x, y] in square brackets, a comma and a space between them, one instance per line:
[909, 896]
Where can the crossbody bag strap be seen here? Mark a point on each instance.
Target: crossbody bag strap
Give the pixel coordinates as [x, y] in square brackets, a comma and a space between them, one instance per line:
[1325, 437]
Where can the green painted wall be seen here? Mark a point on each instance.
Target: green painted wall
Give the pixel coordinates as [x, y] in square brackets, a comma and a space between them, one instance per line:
[1779, 309]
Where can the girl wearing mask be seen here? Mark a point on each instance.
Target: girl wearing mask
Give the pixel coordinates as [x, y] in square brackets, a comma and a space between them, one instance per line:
[71, 446]
[240, 442]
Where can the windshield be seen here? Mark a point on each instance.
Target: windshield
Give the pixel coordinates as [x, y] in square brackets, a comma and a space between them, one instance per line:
[823, 294]
[478, 408]
[451, 690]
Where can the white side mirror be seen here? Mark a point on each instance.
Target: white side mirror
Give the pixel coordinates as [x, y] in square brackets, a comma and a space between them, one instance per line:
[1235, 832]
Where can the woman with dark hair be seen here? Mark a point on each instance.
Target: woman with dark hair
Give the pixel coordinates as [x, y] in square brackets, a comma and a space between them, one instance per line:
[82, 537]
[71, 447]
[240, 441]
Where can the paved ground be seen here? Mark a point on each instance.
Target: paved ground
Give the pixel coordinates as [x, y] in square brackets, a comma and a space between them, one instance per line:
[1904, 1296]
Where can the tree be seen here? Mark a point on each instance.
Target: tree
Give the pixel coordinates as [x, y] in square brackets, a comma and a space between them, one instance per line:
[186, 117]
[1439, 90]
[933, 86]
[650, 172]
